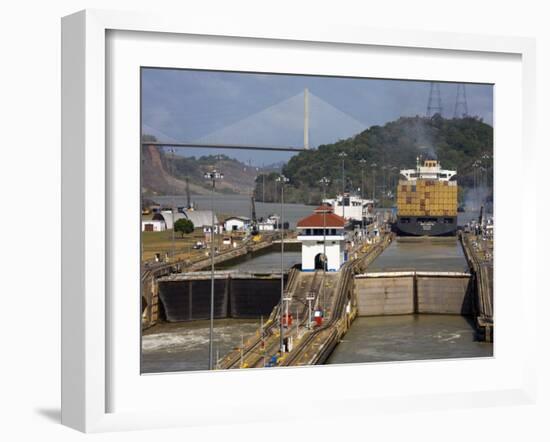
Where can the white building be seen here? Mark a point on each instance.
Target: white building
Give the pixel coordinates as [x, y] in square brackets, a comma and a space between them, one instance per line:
[237, 223]
[323, 230]
[153, 225]
[201, 219]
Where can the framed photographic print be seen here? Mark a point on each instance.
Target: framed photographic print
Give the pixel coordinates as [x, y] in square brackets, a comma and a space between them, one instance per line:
[246, 209]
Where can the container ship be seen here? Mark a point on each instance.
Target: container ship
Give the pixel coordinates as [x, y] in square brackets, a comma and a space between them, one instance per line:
[427, 201]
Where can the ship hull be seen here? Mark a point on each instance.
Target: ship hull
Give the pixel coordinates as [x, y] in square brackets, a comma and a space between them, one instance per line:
[425, 226]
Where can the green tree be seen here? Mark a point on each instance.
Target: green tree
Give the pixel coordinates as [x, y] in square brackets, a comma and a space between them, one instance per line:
[184, 226]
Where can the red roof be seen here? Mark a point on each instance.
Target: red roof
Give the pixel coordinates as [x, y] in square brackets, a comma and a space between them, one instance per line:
[320, 220]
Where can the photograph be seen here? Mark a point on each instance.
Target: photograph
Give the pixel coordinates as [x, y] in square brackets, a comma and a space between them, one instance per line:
[302, 220]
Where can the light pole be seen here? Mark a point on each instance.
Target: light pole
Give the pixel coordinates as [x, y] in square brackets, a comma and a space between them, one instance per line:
[374, 166]
[363, 162]
[486, 163]
[324, 182]
[212, 176]
[384, 196]
[283, 180]
[475, 167]
[343, 155]
[172, 153]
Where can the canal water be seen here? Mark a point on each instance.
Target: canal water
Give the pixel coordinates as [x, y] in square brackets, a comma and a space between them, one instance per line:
[409, 338]
[413, 337]
[183, 346]
[421, 254]
[268, 261]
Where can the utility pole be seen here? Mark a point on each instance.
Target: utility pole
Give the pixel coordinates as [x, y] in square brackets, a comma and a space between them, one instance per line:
[306, 119]
[324, 182]
[373, 165]
[363, 162]
[242, 351]
[173, 252]
[212, 176]
[476, 183]
[187, 192]
[486, 158]
[283, 180]
[262, 336]
[343, 155]
[384, 167]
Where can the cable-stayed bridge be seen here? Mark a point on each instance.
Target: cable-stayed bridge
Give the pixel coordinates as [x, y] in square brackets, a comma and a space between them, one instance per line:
[299, 122]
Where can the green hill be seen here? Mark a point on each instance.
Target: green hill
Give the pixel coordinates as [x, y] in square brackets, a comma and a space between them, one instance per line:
[457, 143]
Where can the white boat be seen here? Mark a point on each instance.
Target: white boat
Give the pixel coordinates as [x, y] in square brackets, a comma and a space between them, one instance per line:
[352, 207]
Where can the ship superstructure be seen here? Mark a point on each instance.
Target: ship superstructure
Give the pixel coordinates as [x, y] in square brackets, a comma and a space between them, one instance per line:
[353, 208]
[427, 201]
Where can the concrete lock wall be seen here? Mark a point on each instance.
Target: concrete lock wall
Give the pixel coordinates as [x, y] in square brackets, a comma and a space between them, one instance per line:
[413, 293]
[188, 300]
[443, 295]
[253, 298]
[385, 296]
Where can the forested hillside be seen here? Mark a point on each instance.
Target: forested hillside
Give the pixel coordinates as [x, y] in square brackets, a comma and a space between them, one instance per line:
[164, 173]
[457, 143]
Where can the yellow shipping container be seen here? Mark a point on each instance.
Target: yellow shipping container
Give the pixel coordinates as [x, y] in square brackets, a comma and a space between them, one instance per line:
[427, 197]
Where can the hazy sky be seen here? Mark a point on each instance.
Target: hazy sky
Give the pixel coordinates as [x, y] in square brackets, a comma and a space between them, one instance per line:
[268, 109]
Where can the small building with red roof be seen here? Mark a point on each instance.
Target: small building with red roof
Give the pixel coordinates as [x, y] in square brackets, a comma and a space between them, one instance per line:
[323, 238]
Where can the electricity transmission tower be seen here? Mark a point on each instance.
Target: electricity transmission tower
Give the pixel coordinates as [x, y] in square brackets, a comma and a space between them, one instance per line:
[461, 105]
[434, 101]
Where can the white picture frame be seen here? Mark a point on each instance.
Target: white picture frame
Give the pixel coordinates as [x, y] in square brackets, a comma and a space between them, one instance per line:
[86, 317]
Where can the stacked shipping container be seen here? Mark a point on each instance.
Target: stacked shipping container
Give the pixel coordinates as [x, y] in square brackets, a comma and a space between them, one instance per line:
[424, 197]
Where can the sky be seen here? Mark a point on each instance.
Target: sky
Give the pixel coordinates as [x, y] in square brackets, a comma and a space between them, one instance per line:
[268, 109]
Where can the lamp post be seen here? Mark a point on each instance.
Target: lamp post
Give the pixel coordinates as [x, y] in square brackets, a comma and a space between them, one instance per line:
[212, 176]
[395, 176]
[374, 166]
[384, 194]
[283, 180]
[486, 159]
[363, 162]
[476, 179]
[343, 155]
[173, 251]
[324, 182]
